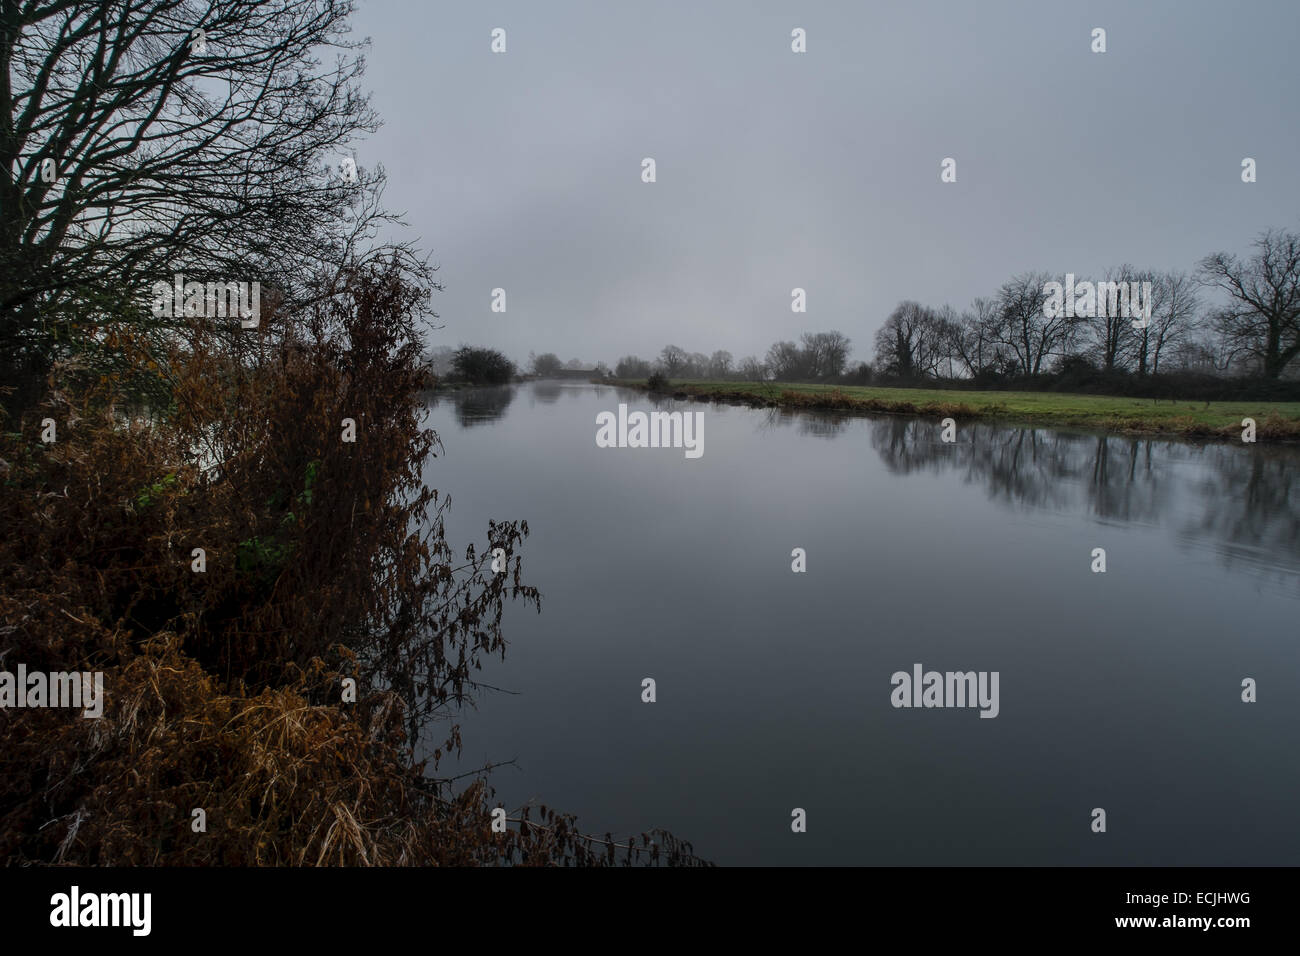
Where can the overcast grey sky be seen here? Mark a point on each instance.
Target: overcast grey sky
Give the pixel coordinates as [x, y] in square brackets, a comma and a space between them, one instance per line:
[820, 170]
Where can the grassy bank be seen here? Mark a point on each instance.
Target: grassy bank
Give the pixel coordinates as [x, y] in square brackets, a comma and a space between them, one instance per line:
[1133, 416]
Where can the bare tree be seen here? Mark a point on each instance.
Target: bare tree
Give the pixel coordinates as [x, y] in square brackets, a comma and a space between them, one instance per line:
[720, 364]
[1024, 326]
[911, 342]
[1112, 332]
[1206, 355]
[824, 353]
[947, 332]
[439, 359]
[1262, 320]
[1174, 311]
[837, 347]
[785, 361]
[149, 137]
[752, 370]
[630, 366]
[975, 340]
[673, 360]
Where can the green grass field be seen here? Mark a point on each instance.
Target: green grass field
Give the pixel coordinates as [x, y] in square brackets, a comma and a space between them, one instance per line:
[1274, 420]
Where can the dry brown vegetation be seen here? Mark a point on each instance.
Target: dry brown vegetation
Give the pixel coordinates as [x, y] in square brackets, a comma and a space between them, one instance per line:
[325, 560]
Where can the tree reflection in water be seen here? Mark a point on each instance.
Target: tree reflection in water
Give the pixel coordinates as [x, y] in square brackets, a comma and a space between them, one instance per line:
[1239, 500]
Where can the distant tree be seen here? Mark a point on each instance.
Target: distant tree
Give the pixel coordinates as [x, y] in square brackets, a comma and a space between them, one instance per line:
[1174, 317]
[546, 364]
[861, 374]
[482, 366]
[1206, 355]
[673, 359]
[896, 340]
[824, 353]
[811, 359]
[1262, 320]
[786, 362]
[720, 364]
[1111, 340]
[974, 339]
[1023, 327]
[751, 369]
[439, 360]
[947, 333]
[574, 363]
[837, 347]
[629, 366]
[912, 342]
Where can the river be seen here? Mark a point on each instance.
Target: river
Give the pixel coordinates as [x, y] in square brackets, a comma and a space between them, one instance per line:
[1119, 691]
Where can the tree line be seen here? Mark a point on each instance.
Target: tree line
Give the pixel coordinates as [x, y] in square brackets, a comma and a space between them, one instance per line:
[816, 356]
[1015, 336]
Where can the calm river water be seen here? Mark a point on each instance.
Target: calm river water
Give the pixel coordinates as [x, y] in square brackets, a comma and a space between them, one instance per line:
[1119, 690]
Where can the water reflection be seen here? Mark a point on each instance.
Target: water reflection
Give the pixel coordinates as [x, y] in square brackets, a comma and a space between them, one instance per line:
[476, 406]
[1250, 506]
[969, 555]
[548, 393]
[1239, 500]
[821, 425]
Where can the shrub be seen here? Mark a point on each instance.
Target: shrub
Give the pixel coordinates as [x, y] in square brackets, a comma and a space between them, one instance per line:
[483, 366]
[326, 562]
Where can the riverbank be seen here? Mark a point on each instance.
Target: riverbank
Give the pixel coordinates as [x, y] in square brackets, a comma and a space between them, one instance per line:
[1275, 421]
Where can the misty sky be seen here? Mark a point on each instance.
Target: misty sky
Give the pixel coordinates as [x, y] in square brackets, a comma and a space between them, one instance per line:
[522, 170]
